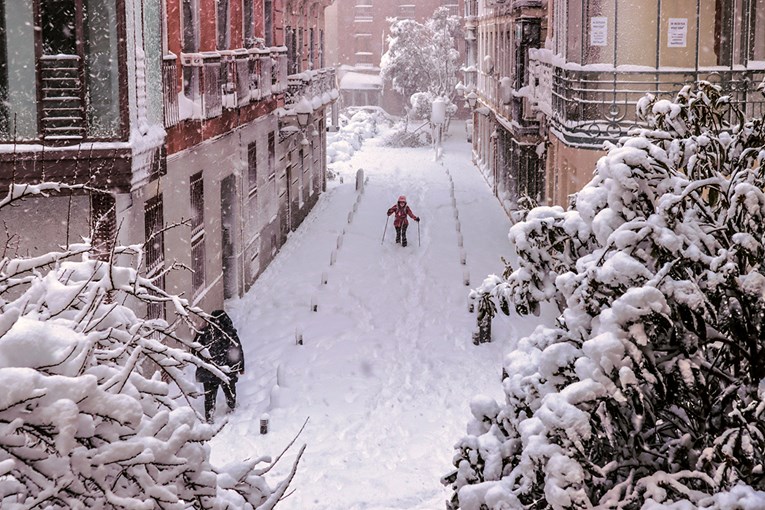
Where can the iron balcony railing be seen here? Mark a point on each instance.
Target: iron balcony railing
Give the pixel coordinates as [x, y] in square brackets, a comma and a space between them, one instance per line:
[63, 98]
[215, 80]
[170, 89]
[592, 106]
[310, 84]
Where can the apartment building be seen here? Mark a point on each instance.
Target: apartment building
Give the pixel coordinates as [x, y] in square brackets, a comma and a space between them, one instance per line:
[556, 79]
[357, 32]
[182, 113]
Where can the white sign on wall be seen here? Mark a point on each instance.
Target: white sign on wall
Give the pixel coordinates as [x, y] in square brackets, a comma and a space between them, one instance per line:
[598, 31]
[677, 33]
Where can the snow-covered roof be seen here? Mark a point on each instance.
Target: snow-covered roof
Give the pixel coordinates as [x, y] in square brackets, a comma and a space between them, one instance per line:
[355, 81]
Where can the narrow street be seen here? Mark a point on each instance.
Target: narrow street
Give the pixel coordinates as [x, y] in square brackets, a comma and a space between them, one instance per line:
[387, 367]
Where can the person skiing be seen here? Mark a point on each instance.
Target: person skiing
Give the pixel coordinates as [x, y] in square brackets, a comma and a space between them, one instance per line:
[225, 350]
[401, 222]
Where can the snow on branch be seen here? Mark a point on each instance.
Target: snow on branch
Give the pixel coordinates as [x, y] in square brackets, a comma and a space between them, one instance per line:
[649, 391]
[93, 412]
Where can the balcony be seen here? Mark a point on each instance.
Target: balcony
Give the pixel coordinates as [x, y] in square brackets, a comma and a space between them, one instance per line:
[318, 86]
[217, 81]
[588, 106]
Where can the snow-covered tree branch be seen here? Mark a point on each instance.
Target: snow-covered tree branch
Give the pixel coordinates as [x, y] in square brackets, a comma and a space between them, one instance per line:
[93, 412]
[649, 392]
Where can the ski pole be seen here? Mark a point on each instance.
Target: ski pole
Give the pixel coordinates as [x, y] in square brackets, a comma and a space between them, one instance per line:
[386, 229]
[419, 237]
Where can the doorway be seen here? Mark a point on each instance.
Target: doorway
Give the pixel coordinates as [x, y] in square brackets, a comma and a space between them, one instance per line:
[228, 236]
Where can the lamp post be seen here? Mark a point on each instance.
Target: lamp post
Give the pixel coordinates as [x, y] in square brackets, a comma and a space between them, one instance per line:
[472, 99]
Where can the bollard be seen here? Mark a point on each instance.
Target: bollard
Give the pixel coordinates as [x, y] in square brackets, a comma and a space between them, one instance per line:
[339, 241]
[360, 180]
[456, 214]
[333, 258]
[459, 226]
[463, 257]
[355, 207]
[484, 329]
[454, 201]
[460, 242]
[314, 305]
[264, 419]
[466, 278]
[350, 216]
[471, 306]
[298, 336]
[324, 278]
[475, 337]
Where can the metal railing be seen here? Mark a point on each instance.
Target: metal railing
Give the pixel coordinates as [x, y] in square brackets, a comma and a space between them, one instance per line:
[63, 103]
[215, 80]
[169, 89]
[310, 84]
[589, 107]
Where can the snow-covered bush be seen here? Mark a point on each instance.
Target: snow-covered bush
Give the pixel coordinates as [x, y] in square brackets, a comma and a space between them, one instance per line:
[357, 125]
[649, 392]
[94, 407]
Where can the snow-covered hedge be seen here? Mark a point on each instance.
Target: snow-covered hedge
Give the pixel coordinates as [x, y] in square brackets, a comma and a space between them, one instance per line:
[94, 404]
[649, 391]
[356, 125]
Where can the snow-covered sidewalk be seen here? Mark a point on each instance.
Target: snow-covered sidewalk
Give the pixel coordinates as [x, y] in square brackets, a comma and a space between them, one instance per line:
[388, 368]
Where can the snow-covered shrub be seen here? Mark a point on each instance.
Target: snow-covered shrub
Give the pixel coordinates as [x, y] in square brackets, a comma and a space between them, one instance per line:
[94, 408]
[649, 392]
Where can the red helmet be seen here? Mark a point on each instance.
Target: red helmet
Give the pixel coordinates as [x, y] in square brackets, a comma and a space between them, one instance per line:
[402, 198]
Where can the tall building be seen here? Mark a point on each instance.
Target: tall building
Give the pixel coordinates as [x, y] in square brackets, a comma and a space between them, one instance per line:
[182, 114]
[558, 78]
[357, 39]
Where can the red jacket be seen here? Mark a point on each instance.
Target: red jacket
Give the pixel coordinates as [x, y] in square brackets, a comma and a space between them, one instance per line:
[401, 214]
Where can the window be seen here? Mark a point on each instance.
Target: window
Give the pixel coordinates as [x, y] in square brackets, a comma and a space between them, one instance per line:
[311, 48]
[271, 155]
[268, 20]
[757, 34]
[190, 27]
[223, 24]
[252, 168]
[155, 248]
[249, 23]
[406, 11]
[197, 232]
[4, 124]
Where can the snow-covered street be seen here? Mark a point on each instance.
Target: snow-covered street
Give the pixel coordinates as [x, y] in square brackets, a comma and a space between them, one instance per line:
[387, 367]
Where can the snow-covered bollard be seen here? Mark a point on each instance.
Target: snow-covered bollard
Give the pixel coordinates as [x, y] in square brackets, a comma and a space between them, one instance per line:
[475, 337]
[324, 278]
[264, 419]
[314, 305]
[459, 226]
[454, 201]
[339, 241]
[298, 336]
[350, 217]
[466, 278]
[360, 180]
[460, 241]
[463, 257]
[333, 257]
[484, 329]
[471, 304]
[457, 214]
[355, 206]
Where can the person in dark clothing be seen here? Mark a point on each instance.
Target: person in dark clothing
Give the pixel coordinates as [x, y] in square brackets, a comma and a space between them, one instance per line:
[401, 222]
[225, 350]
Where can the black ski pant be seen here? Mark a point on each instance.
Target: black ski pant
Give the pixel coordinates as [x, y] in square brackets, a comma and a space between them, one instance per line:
[211, 394]
[401, 234]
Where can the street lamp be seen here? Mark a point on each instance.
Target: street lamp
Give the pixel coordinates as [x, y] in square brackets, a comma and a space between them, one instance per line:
[460, 88]
[303, 111]
[472, 99]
